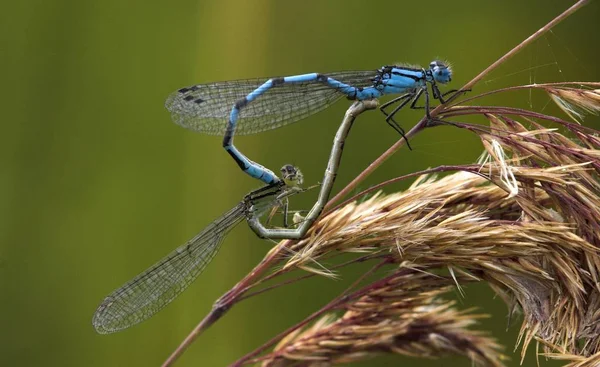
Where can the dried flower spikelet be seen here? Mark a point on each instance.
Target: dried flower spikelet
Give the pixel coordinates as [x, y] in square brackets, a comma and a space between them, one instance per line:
[401, 315]
[502, 162]
[576, 360]
[574, 200]
[536, 263]
[577, 198]
[576, 102]
[538, 248]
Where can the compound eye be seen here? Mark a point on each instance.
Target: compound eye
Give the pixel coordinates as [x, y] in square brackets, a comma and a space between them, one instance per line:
[438, 64]
[288, 168]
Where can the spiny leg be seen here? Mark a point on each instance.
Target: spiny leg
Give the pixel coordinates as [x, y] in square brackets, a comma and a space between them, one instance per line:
[454, 93]
[396, 126]
[436, 92]
[389, 118]
[426, 107]
[286, 204]
[383, 106]
[440, 96]
[274, 211]
[427, 103]
[405, 98]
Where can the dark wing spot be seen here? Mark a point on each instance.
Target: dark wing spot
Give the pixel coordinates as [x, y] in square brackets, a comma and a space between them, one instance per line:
[188, 98]
[277, 81]
[322, 78]
[184, 90]
[198, 101]
[241, 103]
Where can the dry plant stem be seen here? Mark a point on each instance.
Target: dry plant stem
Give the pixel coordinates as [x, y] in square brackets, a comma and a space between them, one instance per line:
[473, 168]
[536, 258]
[479, 110]
[421, 125]
[294, 280]
[402, 315]
[336, 302]
[520, 87]
[223, 304]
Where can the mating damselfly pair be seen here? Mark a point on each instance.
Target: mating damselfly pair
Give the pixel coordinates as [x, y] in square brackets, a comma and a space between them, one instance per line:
[251, 106]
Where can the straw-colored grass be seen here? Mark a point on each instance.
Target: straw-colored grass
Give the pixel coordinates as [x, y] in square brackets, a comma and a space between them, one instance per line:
[525, 219]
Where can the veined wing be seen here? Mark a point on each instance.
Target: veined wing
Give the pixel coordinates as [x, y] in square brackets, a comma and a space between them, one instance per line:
[156, 287]
[206, 107]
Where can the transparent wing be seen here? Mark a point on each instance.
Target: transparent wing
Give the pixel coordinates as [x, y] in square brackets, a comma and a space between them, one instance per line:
[206, 107]
[156, 287]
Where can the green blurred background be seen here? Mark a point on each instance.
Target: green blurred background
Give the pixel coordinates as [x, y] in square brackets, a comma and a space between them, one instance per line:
[97, 184]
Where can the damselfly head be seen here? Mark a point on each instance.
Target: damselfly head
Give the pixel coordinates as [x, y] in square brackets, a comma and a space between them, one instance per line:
[441, 71]
[291, 175]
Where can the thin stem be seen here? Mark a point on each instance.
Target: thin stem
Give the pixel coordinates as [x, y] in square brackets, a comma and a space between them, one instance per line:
[309, 275]
[526, 42]
[479, 110]
[473, 168]
[337, 302]
[223, 304]
[527, 86]
[421, 125]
